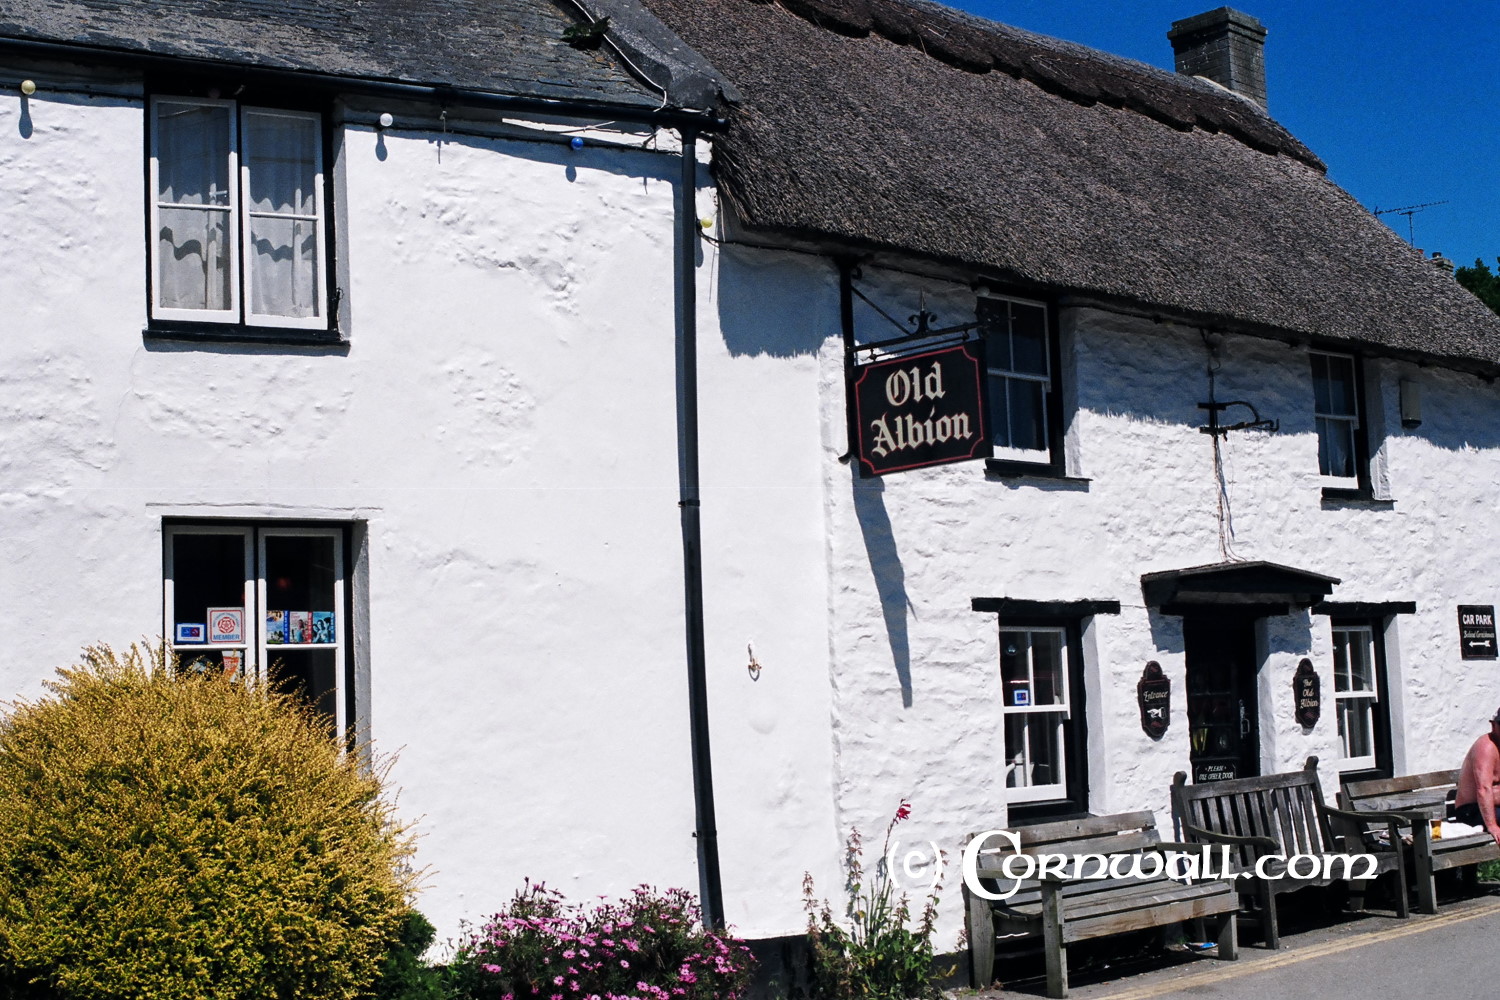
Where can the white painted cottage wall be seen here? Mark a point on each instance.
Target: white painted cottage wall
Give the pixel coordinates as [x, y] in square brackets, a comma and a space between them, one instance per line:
[914, 670]
[504, 422]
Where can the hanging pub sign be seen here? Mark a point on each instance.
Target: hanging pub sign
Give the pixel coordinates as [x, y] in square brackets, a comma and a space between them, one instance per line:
[1153, 692]
[1307, 694]
[1476, 631]
[921, 409]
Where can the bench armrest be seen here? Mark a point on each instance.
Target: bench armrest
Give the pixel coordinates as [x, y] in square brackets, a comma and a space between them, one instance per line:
[1361, 815]
[1177, 846]
[1209, 836]
[1392, 821]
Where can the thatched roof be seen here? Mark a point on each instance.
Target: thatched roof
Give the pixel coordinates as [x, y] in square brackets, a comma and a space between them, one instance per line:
[904, 126]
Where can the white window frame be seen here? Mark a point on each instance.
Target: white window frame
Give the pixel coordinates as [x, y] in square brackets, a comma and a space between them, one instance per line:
[241, 257]
[257, 654]
[1352, 419]
[1000, 374]
[1367, 648]
[1061, 710]
[232, 243]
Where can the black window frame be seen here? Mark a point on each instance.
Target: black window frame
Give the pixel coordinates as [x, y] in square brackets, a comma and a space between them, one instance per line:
[1054, 466]
[165, 87]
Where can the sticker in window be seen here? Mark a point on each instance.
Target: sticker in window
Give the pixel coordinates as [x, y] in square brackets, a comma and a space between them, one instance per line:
[226, 625]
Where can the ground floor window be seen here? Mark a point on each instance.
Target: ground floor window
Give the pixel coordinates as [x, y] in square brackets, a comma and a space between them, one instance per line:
[1358, 686]
[263, 600]
[1041, 680]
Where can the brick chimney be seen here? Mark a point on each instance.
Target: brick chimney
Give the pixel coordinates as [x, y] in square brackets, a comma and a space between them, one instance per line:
[1226, 46]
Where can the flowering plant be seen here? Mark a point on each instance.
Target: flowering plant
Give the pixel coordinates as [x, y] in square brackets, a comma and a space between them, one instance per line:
[648, 946]
[878, 957]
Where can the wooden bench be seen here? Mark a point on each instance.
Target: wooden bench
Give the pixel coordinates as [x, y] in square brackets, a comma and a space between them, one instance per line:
[1065, 910]
[1283, 815]
[1415, 800]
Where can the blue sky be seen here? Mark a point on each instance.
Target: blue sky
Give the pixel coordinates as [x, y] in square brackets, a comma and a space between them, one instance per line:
[1401, 100]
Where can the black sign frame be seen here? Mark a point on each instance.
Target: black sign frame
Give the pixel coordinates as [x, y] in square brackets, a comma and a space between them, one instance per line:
[1307, 694]
[1476, 632]
[1153, 694]
[882, 423]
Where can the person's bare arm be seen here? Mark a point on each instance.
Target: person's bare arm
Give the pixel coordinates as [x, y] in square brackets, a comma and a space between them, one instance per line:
[1485, 770]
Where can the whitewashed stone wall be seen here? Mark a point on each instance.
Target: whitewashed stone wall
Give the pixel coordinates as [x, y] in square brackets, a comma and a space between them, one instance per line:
[914, 672]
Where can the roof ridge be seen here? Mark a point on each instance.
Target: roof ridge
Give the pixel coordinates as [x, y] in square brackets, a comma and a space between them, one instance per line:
[1075, 72]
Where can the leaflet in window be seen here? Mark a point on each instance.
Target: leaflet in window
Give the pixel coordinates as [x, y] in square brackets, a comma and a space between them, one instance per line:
[276, 631]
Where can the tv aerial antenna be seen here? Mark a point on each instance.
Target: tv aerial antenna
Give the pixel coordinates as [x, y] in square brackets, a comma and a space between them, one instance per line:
[1408, 211]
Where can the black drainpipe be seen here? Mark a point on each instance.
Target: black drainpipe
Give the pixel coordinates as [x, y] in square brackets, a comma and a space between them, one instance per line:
[710, 891]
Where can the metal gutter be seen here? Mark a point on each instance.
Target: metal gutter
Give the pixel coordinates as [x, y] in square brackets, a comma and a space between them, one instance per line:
[444, 95]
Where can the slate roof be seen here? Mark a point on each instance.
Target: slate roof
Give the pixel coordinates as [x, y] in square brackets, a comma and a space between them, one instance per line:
[510, 47]
[905, 126]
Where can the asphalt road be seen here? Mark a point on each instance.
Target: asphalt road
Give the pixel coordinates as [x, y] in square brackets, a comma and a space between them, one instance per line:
[1454, 955]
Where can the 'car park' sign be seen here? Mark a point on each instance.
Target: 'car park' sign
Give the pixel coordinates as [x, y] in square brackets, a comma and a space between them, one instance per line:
[1476, 631]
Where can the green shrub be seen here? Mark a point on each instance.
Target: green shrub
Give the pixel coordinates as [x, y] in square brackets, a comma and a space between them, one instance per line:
[403, 973]
[877, 956]
[166, 837]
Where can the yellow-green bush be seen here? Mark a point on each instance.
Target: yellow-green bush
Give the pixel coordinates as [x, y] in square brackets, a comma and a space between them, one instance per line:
[167, 837]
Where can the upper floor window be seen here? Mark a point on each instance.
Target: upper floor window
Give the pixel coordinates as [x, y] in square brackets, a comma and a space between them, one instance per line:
[238, 215]
[1023, 395]
[1336, 408]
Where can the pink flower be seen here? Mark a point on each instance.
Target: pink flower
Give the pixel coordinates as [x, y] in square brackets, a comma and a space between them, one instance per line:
[903, 811]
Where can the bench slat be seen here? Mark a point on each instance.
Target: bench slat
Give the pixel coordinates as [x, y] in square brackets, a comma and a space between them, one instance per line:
[1380, 786]
[1089, 826]
[1120, 895]
[1167, 913]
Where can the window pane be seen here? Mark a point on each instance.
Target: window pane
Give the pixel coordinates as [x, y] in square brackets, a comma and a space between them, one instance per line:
[1028, 339]
[192, 150]
[299, 573]
[281, 153]
[1333, 385]
[283, 267]
[1014, 675]
[1046, 667]
[1336, 447]
[308, 674]
[1321, 402]
[193, 259]
[1027, 414]
[1033, 750]
[208, 571]
[1356, 721]
[1361, 665]
[1340, 661]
